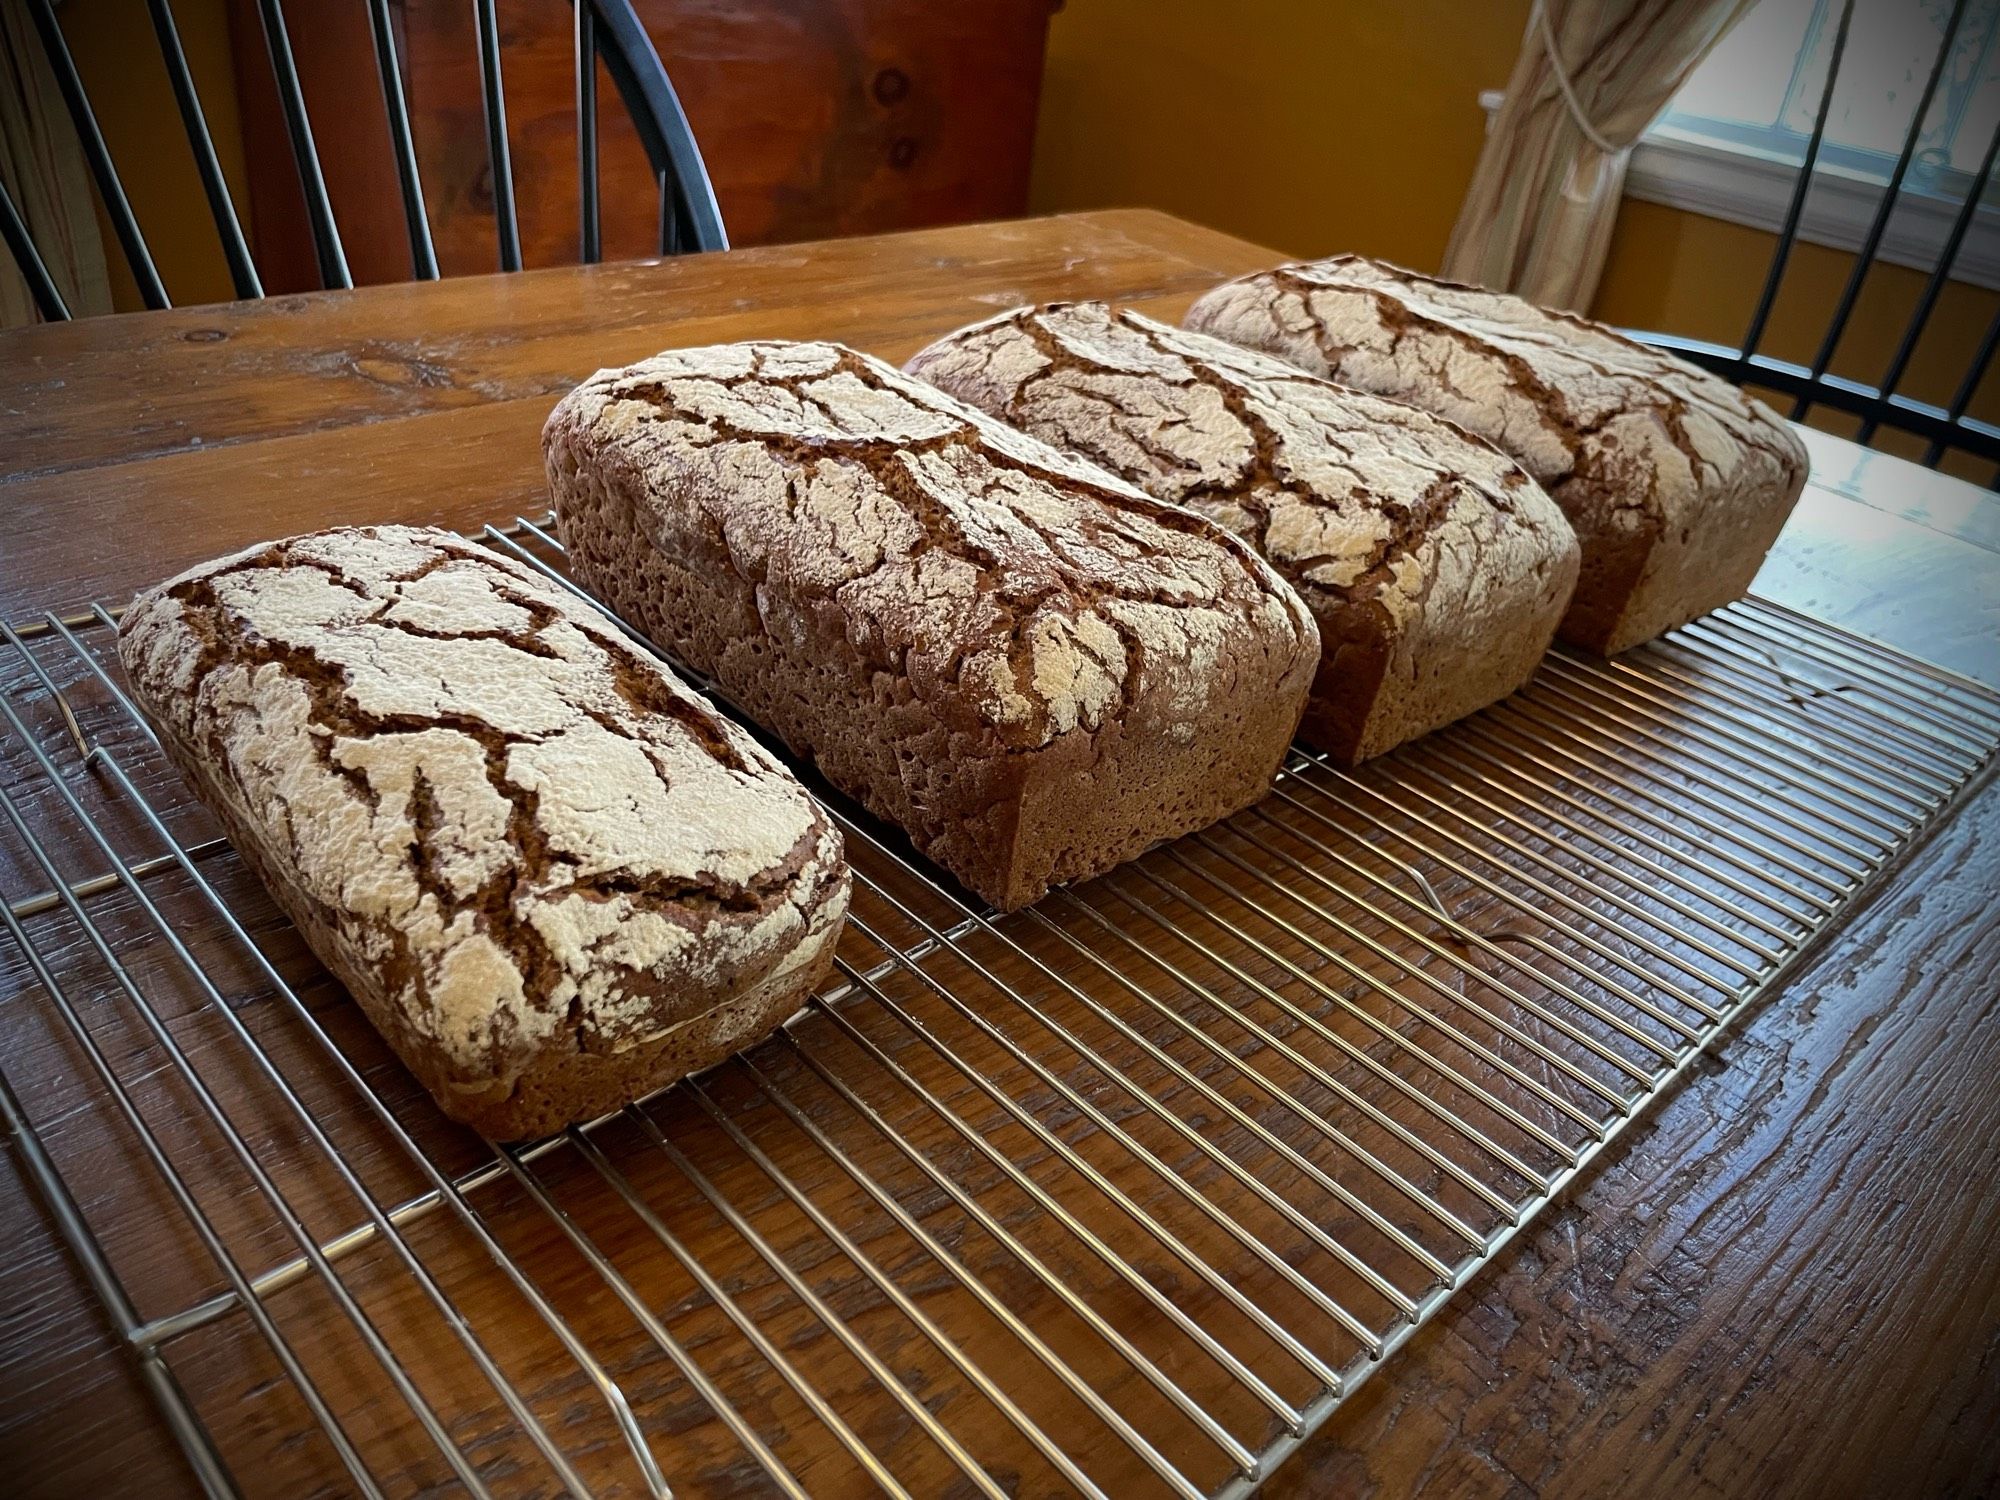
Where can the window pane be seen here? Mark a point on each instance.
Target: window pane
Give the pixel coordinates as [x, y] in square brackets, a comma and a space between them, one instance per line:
[1744, 80]
[1891, 47]
[1981, 116]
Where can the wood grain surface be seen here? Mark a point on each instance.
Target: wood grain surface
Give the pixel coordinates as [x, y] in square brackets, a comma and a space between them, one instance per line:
[1783, 1283]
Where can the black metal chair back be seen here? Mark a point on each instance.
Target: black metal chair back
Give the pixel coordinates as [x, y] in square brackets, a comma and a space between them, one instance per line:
[1942, 427]
[605, 29]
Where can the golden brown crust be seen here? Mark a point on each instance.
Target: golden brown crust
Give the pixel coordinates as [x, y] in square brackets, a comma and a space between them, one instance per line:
[542, 865]
[1675, 482]
[1033, 668]
[1435, 568]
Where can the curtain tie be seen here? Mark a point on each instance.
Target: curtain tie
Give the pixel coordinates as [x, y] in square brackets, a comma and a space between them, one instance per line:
[1590, 131]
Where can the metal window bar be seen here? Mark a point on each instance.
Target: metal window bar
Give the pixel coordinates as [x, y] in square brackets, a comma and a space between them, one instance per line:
[1968, 387]
[590, 234]
[1124, 1193]
[395, 104]
[110, 191]
[606, 30]
[1814, 384]
[1947, 256]
[1788, 233]
[1864, 258]
[34, 270]
[332, 259]
[499, 160]
[235, 248]
[690, 218]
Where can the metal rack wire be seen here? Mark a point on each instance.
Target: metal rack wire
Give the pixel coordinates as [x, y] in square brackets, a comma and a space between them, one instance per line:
[1122, 1194]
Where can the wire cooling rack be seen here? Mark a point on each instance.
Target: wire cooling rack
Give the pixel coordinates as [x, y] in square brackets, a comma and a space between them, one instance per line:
[1121, 1194]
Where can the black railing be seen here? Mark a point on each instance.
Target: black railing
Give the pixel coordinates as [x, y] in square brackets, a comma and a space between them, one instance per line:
[1877, 405]
[605, 30]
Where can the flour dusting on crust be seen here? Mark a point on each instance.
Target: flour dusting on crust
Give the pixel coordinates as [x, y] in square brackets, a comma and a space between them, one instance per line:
[1423, 553]
[1032, 667]
[514, 832]
[964, 554]
[1675, 481]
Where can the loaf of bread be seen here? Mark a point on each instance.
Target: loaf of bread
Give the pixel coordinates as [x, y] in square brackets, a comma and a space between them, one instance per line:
[553, 877]
[1034, 669]
[1435, 568]
[1676, 482]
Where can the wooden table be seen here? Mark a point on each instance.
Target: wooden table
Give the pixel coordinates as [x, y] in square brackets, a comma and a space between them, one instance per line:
[1786, 1284]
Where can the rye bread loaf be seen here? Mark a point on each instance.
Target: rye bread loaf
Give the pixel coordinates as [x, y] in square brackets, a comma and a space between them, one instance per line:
[1435, 568]
[553, 877]
[1675, 481]
[1034, 669]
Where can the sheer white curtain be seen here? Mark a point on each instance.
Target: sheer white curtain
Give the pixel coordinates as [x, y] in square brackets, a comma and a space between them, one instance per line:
[42, 164]
[1591, 76]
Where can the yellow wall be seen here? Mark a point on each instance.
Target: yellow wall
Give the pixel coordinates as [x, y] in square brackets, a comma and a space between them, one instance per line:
[1308, 125]
[115, 51]
[1317, 126]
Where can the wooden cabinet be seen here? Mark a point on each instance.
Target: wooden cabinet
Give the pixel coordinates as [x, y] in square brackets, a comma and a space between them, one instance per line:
[818, 118]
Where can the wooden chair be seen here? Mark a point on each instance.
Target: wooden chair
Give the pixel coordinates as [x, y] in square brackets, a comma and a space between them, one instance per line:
[1879, 405]
[607, 30]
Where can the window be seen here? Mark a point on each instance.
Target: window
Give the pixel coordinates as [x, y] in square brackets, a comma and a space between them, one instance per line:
[1761, 89]
[1731, 142]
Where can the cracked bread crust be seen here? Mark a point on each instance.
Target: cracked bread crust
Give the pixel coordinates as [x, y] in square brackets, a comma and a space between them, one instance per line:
[1435, 568]
[1034, 669]
[1676, 482]
[552, 876]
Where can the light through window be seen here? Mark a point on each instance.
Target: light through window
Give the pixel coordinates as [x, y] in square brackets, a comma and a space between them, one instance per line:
[1760, 89]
